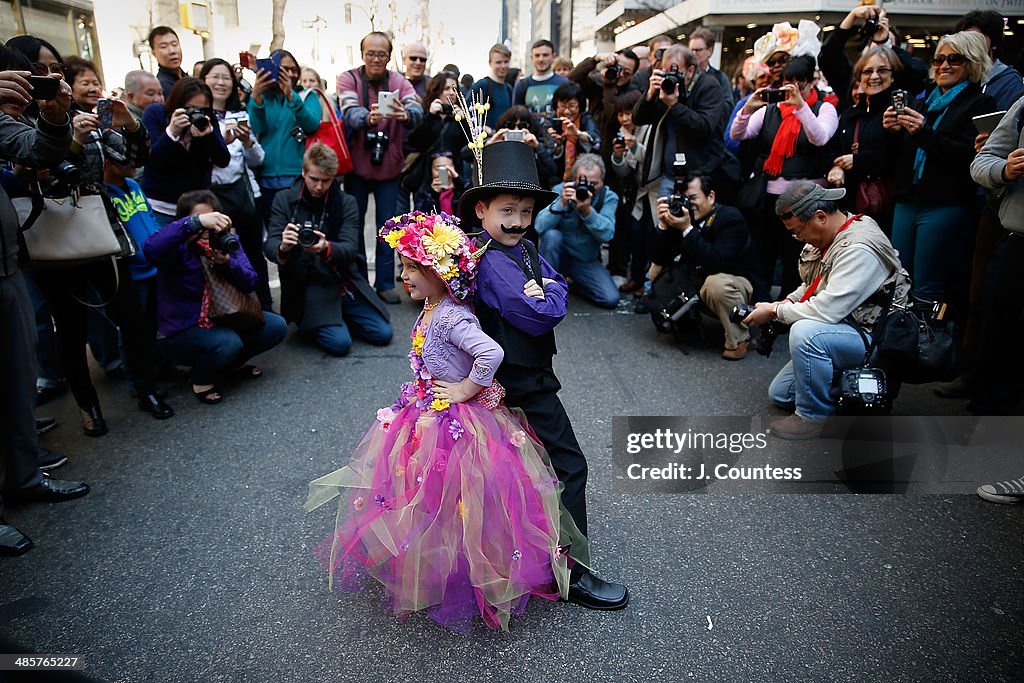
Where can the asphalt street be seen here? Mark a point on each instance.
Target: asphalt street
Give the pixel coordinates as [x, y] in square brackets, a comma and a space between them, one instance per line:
[190, 560]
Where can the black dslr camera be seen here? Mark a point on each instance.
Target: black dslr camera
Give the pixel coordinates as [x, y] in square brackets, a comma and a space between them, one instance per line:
[864, 391]
[679, 204]
[769, 332]
[870, 27]
[673, 81]
[224, 242]
[64, 178]
[447, 109]
[611, 74]
[307, 236]
[584, 190]
[198, 118]
[377, 142]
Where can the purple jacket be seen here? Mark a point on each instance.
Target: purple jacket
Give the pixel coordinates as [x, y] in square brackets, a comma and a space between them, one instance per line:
[499, 284]
[179, 275]
[456, 348]
[355, 109]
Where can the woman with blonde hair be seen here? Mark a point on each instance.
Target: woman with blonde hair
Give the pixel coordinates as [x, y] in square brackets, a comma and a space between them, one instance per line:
[935, 214]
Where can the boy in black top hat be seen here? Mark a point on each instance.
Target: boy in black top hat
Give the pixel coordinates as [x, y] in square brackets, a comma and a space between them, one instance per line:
[520, 299]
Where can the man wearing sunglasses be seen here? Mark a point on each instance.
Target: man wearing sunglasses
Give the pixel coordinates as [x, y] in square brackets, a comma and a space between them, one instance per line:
[414, 57]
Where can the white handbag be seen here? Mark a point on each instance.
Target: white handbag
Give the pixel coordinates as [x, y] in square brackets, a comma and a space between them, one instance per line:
[75, 229]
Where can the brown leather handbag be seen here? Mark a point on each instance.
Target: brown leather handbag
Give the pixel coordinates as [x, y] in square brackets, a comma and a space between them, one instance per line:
[229, 306]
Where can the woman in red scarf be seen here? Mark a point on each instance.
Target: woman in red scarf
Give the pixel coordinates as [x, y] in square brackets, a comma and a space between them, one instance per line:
[792, 139]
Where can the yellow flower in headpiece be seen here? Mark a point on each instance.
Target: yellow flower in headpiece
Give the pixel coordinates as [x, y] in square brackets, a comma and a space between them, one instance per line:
[458, 116]
[439, 404]
[442, 241]
[446, 267]
[487, 106]
[392, 238]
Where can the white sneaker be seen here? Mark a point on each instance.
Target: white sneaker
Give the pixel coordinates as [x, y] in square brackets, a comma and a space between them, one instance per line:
[619, 280]
[1005, 492]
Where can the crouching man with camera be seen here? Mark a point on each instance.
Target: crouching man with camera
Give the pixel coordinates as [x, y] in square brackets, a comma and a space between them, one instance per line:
[711, 243]
[314, 237]
[848, 270]
[573, 228]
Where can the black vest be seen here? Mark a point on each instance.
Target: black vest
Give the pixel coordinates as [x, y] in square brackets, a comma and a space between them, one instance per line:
[808, 160]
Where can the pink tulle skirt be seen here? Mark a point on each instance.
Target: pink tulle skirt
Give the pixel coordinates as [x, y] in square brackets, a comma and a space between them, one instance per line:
[456, 513]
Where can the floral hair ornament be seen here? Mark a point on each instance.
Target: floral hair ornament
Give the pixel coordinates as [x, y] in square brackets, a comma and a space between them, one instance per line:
[436, 241]
[474, 114]
[795, 42]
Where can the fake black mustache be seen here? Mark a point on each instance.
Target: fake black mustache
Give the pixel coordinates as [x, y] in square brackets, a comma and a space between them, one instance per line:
[514, 231]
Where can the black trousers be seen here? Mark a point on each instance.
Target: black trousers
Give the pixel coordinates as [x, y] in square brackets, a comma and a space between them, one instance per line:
[19, 453]
[773, 243]
[1000, 369]
[64, 291]
[535, 392]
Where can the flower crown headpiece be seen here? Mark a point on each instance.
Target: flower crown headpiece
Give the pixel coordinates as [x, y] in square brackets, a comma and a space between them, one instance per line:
[436, 241]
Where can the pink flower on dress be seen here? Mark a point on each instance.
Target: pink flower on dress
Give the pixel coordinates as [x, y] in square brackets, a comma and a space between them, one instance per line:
[385, 416]
[518, 438]
[359, 503]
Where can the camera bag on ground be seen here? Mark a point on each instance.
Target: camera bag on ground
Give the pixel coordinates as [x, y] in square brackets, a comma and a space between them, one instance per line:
[672, 296]
[73, 230]
[229, 306]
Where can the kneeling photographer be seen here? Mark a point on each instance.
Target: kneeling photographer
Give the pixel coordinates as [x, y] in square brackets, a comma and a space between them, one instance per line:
[573, 228]
[706, 245]
[209, 315]
[850, 274]
[313, 236]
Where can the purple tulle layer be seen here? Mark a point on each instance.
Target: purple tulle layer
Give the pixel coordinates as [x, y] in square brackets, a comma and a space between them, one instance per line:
[455, 513]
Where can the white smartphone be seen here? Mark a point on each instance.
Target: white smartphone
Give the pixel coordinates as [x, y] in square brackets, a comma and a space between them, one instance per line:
[442, 177]
[517, 135]
[385, 101]
[986, 123]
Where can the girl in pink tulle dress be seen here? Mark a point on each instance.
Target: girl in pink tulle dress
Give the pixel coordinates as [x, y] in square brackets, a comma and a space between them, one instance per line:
[449, 501]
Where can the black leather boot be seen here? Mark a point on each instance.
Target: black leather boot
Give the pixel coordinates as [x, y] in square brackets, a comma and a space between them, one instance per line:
[93, 423]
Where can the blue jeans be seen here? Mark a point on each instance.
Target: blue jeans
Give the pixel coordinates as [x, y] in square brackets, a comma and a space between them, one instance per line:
[935, 245]
[590, 276]
[365, 321]
[211, 351]
[818, 350]
[385, 197]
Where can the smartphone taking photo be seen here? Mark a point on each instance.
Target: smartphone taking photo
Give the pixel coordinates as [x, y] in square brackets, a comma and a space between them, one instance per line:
[385, 101]
[43, 87]
[105, 113]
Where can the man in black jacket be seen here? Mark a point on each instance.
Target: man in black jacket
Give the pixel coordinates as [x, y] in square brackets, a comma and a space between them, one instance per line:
[39, 147]
[602, 88]
[688, 117]
[314, 237]
[712, 243]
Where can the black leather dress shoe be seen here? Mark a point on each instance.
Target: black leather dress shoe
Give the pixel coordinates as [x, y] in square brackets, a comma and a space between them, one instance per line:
[12, 541]
[152, 404]
[593, 592]
[93, 423]
[51, 491]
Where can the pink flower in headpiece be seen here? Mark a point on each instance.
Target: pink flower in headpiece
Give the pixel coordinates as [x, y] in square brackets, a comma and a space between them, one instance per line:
[786, 37]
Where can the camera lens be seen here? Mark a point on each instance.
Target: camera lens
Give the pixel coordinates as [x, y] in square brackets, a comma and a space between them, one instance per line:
[307, 237]
[224, 242]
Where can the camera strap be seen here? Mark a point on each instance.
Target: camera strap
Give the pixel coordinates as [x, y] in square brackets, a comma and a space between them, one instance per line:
[817, 280]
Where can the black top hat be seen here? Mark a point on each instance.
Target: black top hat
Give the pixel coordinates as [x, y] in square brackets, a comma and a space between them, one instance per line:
[509, 168]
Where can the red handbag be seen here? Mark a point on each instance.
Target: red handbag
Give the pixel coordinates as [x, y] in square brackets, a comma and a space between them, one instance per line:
[331, 133]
